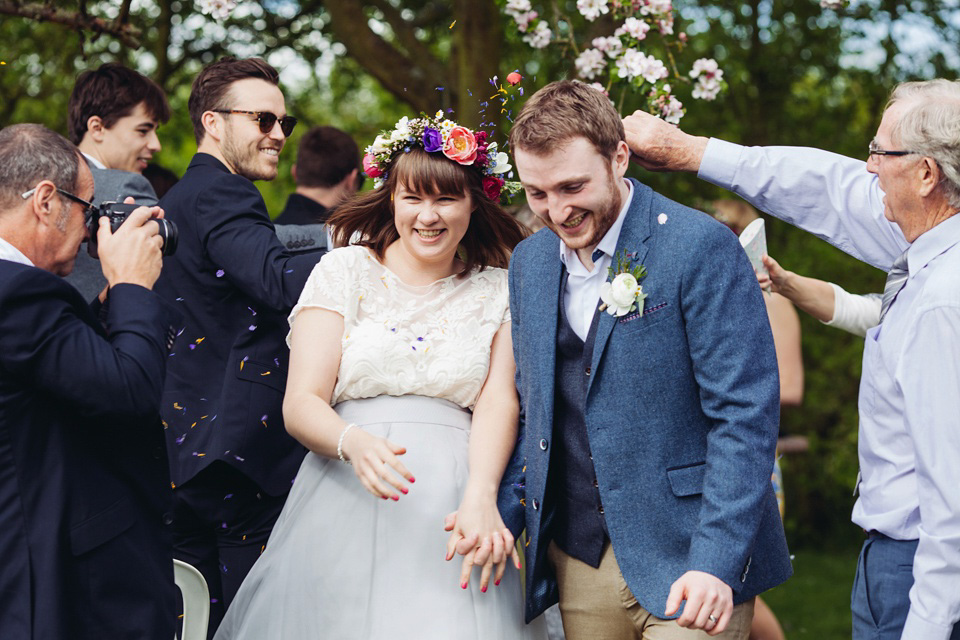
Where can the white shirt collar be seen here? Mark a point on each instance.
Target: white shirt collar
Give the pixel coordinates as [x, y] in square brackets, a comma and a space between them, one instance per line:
[608, 243]
[94, 161]
[11, 253]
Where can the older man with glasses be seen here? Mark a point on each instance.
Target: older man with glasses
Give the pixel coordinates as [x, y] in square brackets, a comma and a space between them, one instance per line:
[83, 479]
[231, 460]
[896, 212]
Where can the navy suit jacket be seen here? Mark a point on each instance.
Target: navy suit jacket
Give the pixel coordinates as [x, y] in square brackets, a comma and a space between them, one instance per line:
[235, 284]
[682, 411]
[83, 476]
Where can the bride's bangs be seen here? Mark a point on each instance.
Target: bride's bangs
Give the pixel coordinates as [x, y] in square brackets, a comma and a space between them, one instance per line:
[430, 174]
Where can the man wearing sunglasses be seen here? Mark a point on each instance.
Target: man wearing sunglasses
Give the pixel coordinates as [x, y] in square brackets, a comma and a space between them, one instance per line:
[231, 459]
[83, 479]
[897, 212]
[113, 116]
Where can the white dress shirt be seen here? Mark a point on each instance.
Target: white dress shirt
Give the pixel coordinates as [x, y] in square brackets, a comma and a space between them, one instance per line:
[94, 161]
[909, 438]
[854, 313]
[581, 296]
[11, 253]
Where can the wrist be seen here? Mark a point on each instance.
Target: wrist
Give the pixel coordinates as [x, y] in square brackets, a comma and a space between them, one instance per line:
[480, 493]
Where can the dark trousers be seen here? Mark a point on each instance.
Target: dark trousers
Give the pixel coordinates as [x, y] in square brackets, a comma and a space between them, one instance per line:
[880, 599]
[221, 523]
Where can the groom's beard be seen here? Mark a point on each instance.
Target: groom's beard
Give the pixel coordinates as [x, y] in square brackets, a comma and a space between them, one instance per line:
[601, 218]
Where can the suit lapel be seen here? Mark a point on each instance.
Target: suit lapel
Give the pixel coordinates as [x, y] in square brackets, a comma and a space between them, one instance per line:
[633, 236]
[542, 307]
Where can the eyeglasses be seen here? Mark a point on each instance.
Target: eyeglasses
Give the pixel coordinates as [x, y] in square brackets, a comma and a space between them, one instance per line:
[88, 207]
[267, 120]
[874, 150]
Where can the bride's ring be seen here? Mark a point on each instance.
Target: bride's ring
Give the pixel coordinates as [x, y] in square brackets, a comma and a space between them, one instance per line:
[712, 618]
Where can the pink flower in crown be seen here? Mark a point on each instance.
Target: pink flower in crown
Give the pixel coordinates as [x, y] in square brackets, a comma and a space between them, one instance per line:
[461, 145]
[370, 166]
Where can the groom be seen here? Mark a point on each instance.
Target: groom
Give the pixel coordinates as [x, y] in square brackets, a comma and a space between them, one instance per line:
[643, 472]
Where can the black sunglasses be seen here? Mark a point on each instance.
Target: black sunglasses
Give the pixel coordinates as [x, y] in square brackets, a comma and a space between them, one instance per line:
[267, 120]
[88, 207]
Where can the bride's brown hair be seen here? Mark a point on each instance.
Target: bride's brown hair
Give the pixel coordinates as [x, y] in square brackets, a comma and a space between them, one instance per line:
[491, 235]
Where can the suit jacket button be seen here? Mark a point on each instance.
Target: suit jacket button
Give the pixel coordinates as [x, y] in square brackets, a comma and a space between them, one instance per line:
[587, 371]
[600, 509]
[595, 485]
[536, 504]
[543, 444]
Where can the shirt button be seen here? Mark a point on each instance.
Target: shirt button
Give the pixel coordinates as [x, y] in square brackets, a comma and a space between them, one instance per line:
[536, 504]
[600, 509]
[543, 444]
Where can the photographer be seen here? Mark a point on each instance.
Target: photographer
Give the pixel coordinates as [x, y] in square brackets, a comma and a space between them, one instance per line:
[83, 479]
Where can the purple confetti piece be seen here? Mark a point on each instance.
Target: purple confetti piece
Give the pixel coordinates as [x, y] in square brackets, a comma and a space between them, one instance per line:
[239, 459]
[263, 418]
[219, 273]
[223, 525]
[289, 271]
[252, 310]
[276, 361]
[192, 346]
[179, 299]
[252, 327]
[181, 439]
[228, 496]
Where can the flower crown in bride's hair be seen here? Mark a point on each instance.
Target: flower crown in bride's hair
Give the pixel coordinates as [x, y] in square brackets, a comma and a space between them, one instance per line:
[438, 135]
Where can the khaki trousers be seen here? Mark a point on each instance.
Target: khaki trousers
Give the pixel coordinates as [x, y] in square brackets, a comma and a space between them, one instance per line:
[596, 604]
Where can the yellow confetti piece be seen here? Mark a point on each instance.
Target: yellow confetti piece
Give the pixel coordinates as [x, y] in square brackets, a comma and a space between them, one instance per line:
[173, 486]
[263, 422]
[193, 425]
[203, 417]
[241, 365]
[453, 23]
[201, 455]
[265, 373]
[176, 405]
[244, 537]
[164, 423]
[199, 340]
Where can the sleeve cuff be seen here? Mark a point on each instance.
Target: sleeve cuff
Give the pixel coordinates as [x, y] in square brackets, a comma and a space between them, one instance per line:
[916, 628]
[838, 301]
[719, 163]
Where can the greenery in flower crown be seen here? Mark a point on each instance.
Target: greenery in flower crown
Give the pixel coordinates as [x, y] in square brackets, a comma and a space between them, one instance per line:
[438, 134]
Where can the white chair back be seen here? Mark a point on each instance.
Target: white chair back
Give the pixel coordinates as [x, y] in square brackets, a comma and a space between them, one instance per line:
[196, 601]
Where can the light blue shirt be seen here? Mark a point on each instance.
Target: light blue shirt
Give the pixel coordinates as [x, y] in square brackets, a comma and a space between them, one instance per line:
[909, 439]
[11, 253]
[581, 297]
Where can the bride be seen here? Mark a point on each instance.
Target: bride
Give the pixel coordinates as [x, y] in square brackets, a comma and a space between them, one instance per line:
[401, 384]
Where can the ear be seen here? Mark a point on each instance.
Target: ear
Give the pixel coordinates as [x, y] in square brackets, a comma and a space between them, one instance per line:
[928, 176]
[621, 159]
[212, 125]
[41, 203]
[95, 128]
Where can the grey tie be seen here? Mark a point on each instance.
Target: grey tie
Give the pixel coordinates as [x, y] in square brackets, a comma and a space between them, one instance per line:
[895, 281]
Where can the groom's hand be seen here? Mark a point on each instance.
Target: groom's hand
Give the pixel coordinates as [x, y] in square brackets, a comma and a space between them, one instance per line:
[706, 596]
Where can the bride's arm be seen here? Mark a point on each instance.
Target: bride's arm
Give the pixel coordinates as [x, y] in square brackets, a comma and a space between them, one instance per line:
[493, 435]
[314, 363]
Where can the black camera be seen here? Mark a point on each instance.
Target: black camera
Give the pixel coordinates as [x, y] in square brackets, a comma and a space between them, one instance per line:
[117, 212]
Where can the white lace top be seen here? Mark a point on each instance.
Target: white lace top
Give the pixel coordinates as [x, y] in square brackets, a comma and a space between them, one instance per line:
[400, 339]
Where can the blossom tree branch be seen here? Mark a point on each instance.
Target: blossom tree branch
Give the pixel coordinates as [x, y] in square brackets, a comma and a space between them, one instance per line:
[78, 19]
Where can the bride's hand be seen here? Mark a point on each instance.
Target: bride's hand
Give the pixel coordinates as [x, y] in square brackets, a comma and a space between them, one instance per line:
[375, 461]
[478, 534]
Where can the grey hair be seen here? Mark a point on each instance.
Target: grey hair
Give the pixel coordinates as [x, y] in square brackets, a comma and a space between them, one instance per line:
[930, 126]
[30, 153]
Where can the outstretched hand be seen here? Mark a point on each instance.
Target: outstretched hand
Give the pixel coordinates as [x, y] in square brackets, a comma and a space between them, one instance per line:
[657, 145]
[480, 536]
[706, 596]
[776, 278]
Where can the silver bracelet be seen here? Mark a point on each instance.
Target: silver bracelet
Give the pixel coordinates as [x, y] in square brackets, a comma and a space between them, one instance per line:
[343, 434]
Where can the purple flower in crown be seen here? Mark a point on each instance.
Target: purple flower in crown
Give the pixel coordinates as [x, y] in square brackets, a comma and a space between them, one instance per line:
[432, 140]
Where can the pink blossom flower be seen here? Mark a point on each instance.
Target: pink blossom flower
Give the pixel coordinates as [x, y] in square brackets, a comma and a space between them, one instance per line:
[370, 166]
[461, 145]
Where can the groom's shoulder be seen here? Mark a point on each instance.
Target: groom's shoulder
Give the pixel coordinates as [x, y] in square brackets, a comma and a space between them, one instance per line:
[536, 244]
[672, 221]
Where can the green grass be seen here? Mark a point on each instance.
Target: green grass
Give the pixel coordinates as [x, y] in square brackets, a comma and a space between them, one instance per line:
[815, 602]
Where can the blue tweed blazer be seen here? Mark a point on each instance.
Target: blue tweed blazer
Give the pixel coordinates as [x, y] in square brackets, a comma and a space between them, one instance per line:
[682, 411]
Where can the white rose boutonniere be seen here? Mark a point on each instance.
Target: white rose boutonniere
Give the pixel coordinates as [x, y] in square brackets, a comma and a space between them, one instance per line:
[623, 294]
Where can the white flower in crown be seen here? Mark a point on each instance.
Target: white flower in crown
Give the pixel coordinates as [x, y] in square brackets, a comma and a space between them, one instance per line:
[502, 163]
[401, 131]
[623, 294]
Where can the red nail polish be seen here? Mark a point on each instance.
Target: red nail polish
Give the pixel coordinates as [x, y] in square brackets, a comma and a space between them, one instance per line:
[412, 479]
[405, 491]
[395, 498]
[483, 589]
[384, 497]
[496, 583]
[463, 586]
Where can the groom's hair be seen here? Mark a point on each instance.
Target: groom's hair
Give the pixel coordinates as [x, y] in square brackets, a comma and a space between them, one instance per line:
[565, 110]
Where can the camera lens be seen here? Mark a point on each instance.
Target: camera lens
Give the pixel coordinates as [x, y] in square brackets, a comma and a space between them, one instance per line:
[170, 235]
